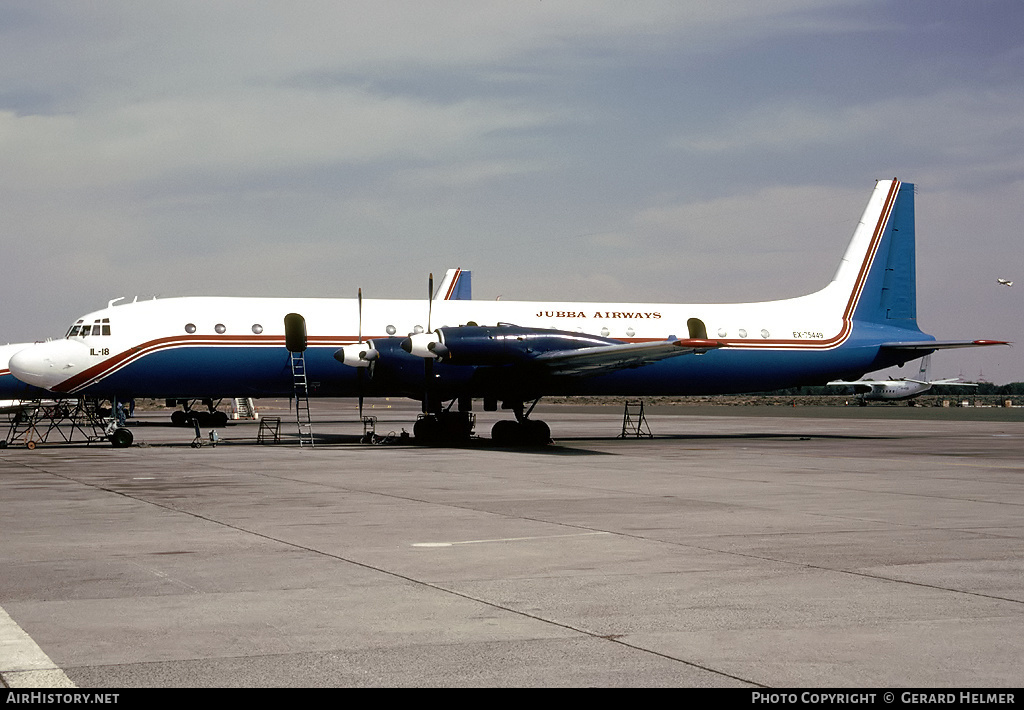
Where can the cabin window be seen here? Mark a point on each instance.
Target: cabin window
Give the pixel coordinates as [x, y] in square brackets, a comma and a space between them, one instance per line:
[190, 328]
[105, 327]
[257, 328]
[75, 329]
[630, 332]
[722, 333]
[220, 329]
[605, 332]
[417, 329]
[391, 330]
[764, 333]
[85, 330]
[743, 333]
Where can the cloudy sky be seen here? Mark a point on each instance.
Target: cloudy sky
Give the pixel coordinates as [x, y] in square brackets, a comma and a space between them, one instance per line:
[586, 150]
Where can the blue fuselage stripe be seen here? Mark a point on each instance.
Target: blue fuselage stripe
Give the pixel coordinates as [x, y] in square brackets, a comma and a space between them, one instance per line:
[240, 371]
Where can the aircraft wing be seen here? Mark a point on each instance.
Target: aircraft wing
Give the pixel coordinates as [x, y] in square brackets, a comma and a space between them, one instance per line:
[608, 358]
[948, 383]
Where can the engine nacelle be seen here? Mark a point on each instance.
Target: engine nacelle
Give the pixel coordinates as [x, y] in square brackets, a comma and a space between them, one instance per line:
[424, 345]
[357, 354]
[505, 344]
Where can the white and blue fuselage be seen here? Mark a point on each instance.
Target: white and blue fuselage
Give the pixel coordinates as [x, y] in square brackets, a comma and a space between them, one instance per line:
[210, 347]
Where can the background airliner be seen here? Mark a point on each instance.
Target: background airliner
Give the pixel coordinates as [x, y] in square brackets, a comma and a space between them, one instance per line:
[901, 388]
[506, 352]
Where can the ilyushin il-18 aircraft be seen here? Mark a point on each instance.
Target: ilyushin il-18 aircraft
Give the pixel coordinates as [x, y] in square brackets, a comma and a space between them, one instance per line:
[505, 353]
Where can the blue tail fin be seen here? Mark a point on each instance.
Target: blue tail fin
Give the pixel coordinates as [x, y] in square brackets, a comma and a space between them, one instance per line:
[456, 286]
[889, 295]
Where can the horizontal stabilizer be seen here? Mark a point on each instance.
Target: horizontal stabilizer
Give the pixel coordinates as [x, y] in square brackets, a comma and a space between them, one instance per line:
[930, 345]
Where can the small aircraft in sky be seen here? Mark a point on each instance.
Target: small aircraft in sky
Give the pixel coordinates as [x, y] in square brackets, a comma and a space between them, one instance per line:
[505, 353]
[899, 388]
[1005, 282]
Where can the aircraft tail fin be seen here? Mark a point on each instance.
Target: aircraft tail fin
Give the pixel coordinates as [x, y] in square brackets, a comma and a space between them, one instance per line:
[877, 277]
[455, 286]
[925, 362]
[879, 270]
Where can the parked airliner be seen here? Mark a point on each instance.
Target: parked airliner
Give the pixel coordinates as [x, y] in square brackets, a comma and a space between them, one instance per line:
[506, 352]
[900, 388]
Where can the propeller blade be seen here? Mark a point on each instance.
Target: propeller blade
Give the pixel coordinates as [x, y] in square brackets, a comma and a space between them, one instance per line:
[359, 376]
[428, 363]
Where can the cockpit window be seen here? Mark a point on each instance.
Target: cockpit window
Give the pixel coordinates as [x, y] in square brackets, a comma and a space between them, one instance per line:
[98, 327]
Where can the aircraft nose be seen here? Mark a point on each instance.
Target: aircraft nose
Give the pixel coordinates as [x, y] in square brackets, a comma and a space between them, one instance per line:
[46, 365]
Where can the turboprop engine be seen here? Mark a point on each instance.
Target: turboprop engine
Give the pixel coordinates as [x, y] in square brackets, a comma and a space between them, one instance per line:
[503, 344]
[357, 354]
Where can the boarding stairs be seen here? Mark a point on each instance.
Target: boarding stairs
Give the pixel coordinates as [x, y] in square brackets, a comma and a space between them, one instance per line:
[245, 408]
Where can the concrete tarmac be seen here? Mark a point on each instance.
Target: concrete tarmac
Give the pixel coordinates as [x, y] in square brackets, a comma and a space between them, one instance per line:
[729, 551]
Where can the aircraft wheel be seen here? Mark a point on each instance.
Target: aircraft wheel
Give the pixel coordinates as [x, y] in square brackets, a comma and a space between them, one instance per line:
[121, 438]
[179, 418]
[219, 419]
[426, 431]
[536, 433]
[505, 432]
[30, 445]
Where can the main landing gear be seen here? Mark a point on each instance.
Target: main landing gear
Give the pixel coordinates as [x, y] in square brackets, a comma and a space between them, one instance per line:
[447, 427]
[187, 416]
[523, 431]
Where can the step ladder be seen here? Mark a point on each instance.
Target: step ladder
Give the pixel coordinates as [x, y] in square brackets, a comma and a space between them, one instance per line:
[634, 423]
[270, 431]
[302, 418]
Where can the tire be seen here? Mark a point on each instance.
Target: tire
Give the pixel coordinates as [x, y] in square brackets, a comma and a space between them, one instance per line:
[426, 431]
[121, 438]
[536, 433]
[506, 432]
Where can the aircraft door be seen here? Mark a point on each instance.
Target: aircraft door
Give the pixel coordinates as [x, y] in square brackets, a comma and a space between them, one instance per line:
[295, 333]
